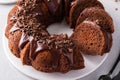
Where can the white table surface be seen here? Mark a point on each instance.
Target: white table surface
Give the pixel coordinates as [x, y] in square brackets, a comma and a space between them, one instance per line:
[8, 72]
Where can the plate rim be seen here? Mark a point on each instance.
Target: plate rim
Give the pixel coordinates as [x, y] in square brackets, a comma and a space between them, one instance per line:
[7, 2]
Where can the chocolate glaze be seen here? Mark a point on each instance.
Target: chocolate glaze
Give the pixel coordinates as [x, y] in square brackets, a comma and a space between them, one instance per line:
[13, 18]
[70, 57]
[53, 5]
[36, 47]
[14, 28]
[23, 41]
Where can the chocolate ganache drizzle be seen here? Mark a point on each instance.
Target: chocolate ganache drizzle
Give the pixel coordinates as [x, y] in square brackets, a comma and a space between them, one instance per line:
[35, 32]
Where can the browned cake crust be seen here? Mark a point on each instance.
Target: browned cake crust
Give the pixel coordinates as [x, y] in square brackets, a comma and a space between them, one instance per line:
[8, 27]
[43, 62]
[99, 16]
[11, 15]
[78, 6]
[29, 39]
[11, 20]
[13, 42]
[91, 39]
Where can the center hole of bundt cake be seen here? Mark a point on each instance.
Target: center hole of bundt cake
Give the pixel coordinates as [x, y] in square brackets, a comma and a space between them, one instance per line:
[60, 28]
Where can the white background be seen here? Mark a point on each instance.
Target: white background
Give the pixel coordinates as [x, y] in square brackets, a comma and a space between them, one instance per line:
[8, 72]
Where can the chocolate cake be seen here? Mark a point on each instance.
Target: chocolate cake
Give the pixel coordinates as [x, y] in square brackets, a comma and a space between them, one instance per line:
[91, 38]
[99, 16]
[29, 40]
[78, 6]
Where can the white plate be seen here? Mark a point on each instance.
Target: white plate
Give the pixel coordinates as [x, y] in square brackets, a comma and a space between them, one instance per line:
[7, 1]
[91, 62]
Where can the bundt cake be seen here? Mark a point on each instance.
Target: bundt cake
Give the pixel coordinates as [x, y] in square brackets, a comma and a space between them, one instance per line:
[29, 40]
